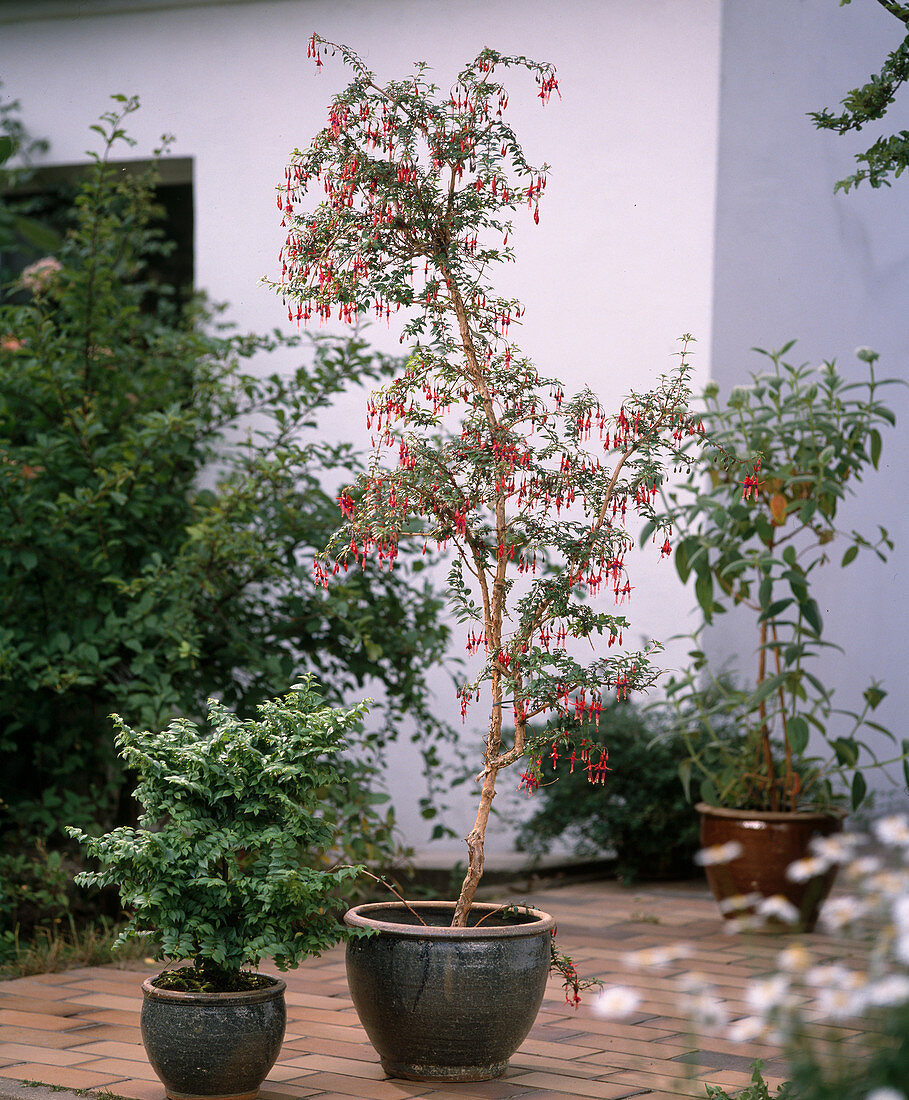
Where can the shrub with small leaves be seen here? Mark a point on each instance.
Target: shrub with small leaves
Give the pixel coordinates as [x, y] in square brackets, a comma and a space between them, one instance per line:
[215, 872]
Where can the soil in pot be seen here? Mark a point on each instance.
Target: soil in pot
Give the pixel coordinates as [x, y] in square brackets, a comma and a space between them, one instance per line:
[447, 1004]
[213, 1046]
[769, 843]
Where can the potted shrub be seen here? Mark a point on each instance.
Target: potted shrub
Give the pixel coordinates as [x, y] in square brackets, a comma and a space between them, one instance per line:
[214, 875]
[766, 784]
[481, 456]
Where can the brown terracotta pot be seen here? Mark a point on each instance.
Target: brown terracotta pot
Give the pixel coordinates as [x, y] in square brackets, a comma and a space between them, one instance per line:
[770, 842]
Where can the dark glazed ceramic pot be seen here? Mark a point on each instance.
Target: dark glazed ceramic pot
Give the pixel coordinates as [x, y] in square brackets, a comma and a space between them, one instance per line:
[770, 842]
[447, 1004]
[217, 1046]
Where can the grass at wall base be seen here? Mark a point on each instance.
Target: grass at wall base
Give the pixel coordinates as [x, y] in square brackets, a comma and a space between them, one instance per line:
[132, 579]
[477, 455]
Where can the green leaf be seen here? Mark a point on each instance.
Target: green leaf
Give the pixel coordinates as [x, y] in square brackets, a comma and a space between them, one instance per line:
[874, 696]
[874, 437]
[905, 748]
[812, 615]
[775, 609]
[765, 591]
[859, 790]
[798, 732]
[847, 751]
[682, 563]
[850, 555]
[703, 589]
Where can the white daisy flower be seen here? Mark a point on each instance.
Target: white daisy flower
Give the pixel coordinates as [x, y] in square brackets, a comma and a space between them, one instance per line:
[835, 849]
[888, 884]
[778, 908]
[739, 903]
[804, 869]
[795, 958]
[616, 1001]
[658, 956]
[767, 994]
[842, 910]
[840, 1004]
[863, 867]
[701, 1003]
[893, 830]
[890, 990]
[719, 853]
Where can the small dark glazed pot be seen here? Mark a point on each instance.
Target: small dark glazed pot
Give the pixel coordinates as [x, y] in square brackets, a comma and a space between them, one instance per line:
[770, 842]
[447, 1004]
[217, 1046]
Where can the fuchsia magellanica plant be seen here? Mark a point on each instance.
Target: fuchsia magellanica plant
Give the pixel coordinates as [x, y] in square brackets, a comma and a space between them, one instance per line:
[531, 493]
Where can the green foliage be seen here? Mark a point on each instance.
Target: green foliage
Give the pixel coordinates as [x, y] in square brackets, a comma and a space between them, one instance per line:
[868, 103]
[639, 810]
[476, 452]
[160, 500]
[756, 552]
[757, 1090]
[216, 871]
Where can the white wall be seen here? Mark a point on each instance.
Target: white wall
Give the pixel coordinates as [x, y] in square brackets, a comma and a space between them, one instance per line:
[795, 260]
[621, 263]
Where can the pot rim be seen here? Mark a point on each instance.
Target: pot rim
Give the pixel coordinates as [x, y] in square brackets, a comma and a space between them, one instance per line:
[538, 922]
[705, 809]
[240, 997]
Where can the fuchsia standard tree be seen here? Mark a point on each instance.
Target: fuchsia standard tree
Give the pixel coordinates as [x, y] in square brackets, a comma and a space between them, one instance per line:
[474, 451]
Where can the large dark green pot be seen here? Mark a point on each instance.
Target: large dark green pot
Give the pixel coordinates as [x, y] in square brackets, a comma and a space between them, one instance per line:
[447, 1004]
[216, 1046]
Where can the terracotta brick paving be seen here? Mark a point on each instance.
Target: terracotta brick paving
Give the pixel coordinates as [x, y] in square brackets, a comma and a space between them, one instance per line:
[80, 1028]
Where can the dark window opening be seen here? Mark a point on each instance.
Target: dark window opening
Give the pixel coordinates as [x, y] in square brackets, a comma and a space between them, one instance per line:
[48, 200]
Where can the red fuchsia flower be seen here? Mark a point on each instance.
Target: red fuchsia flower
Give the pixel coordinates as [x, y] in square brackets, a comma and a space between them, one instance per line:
[750, 487]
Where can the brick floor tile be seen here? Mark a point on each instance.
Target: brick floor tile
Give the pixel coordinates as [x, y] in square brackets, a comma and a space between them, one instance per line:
[50, 1039]
[141, 1090]
[141, 1071]
[476, 1090]
[70, 1076]
[20, 1002]
[598, 1090]
[39, 1021]
[678, 1086]
[113, 1015]
[557, 1050]
[315, 1000]
[42, 987]
[121, 1003]
[363, 1052]
[118, 1033]
[338, 1085]
[280, 1073]
[349, 1066]
[289, 1092]
[32, 1052]
[107, 1048]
